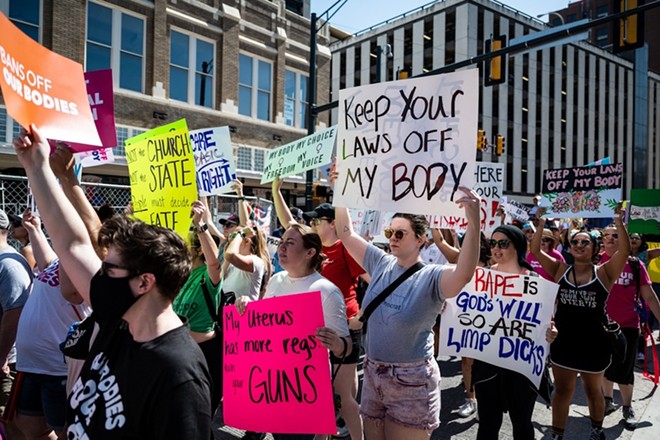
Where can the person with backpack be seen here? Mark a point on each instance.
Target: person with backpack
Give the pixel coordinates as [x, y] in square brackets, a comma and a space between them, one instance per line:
[622, 307]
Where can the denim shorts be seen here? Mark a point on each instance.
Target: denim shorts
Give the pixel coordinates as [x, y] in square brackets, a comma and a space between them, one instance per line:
[44, 395]
[406, 393]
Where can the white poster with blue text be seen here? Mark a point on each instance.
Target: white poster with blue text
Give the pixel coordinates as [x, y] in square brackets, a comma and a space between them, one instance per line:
[501, 318]
[214, 160]
[407, 145]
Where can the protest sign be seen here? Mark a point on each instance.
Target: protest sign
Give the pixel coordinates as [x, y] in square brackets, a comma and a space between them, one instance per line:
[43, 88]
[161, 169]
[654, 264]
[501, 318]
[276, 374]
[407, 145]
[644, 212]
[308, 153]
[94, 158]
[514, 210]
[592, 191]
[214, 160]
[102, 103]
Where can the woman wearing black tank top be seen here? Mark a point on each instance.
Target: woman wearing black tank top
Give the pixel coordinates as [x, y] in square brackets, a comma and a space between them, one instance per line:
[581, 346]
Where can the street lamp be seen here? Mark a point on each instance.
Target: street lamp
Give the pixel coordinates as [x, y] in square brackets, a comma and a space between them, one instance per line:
[557, 14]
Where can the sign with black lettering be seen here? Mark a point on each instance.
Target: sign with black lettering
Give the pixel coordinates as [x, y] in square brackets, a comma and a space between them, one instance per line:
[591, 191]
[214, 160]
[501, 318]
[408, 145]
[276, 374]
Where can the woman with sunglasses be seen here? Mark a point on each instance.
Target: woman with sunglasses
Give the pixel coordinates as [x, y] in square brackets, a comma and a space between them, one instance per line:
[582, 346]
[247, 266]
[548, 246]
[401, 393]
[498, 389]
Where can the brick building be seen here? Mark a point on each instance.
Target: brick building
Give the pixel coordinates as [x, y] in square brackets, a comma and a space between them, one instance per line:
[238, 63]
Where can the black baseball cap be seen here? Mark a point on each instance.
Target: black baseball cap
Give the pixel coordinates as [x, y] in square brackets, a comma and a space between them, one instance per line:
[324, 210]
[230, 221]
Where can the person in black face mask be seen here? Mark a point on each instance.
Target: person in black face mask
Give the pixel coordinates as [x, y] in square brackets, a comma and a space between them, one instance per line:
[144, 376]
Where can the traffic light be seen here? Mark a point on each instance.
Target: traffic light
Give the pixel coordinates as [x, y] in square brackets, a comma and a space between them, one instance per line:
[319, 192]
[403, 74]
[499, 145]
[495, 70]
[482, 143]
[628, 31]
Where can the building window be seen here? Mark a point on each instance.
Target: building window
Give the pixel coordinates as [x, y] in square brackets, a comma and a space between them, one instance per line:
[602, 36]
[3, 126]
[254, 87]
[191, 60]
[244, 158]
[124, 133]
[115, 39]
[601, 11]
[25, 14]
[295, 99]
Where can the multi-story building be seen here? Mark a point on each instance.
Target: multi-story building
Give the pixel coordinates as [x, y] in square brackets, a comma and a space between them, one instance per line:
[242, 64]
[560, 106]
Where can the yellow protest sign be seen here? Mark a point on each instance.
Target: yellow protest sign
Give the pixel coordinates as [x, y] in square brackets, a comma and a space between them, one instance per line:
[161, 168]
[654, 265]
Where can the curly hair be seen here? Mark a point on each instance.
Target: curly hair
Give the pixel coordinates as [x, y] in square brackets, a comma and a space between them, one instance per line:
[311, 240]
[149, 249]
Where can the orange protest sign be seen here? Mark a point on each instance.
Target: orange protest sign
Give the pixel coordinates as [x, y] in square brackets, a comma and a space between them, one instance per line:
[43, 88]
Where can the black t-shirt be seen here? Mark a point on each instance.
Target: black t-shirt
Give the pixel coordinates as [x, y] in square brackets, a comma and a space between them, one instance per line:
[158, 389]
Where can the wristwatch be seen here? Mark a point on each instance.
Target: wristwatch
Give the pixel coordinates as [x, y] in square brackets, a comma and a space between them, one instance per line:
[202, 228]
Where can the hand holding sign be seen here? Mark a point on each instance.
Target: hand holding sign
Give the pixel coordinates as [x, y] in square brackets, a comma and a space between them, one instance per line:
[31, 148]
[62, 162]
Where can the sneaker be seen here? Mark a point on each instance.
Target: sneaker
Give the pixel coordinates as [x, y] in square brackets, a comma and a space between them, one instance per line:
[468, 408]
[629, 418]
[597, 434]
[610, 406]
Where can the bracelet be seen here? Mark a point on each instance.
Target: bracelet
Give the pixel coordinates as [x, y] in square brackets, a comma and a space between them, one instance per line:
[343, 353]
[202, 228]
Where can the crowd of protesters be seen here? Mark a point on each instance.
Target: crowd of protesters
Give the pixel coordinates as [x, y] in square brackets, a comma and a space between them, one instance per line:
[117, 335]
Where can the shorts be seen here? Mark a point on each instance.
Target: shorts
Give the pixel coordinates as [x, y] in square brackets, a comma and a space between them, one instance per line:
[44, 395]
[354, 357]
[623, 372]
[406, 393]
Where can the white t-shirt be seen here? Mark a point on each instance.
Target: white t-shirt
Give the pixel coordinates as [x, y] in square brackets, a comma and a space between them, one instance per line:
[43, 325]
[334, 308]
[432, 255]
[244, 283]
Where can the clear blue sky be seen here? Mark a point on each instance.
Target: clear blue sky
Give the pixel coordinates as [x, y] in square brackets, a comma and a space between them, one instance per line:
[356, 15]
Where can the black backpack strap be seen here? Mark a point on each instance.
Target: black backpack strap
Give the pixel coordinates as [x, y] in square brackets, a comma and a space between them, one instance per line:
[209, 303]
[385, 293]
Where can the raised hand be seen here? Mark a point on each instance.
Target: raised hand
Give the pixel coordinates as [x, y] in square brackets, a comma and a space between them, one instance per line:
[62, 162]
[31, 148]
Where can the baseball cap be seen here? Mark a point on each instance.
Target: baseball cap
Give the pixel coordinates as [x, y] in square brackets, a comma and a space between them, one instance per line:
[15, 219]
[297, 213]
[4, 220]
[230, 221]
[323, 210]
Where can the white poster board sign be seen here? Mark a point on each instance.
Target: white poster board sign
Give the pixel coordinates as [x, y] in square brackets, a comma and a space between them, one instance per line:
[408, 145]
[214, 160]
[501, 318]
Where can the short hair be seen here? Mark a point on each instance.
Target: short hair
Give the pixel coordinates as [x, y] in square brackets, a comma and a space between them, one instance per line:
[311, 240]
[149, 249]
[418, 223]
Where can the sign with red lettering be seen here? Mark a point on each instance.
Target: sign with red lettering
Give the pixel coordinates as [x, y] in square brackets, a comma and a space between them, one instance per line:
[43, 88]
[276, 375]
[501, 318]
[408, 145]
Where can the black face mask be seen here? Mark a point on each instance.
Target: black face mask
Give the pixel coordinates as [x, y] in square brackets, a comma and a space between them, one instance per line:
[111, 297]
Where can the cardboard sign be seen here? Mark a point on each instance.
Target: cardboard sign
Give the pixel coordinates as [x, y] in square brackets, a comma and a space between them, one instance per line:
[514, 210]
[276, 375]
[501, 318]
[102, 103]
[161, 169]
[214, 160]
[94, 158]
[308, 153]
[644, 212]
[654, 264]
[592, 191]
[43, 88]
[408, 145]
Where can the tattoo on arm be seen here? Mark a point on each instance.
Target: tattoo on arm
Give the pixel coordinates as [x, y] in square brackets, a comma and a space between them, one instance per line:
[346, 229]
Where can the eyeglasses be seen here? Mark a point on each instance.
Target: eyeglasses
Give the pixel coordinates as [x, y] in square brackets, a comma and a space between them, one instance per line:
[317, 221]
[106, 266]
[547, 240]
[502, 244]
[613, 235]
[635, 238]
[575, 242]
[397, 233]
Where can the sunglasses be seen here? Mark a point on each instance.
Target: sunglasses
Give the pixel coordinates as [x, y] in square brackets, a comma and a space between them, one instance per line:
[502, 244]
[585, 243]
[635, 238]
[547, 240]
[614, 235]
[398, 233]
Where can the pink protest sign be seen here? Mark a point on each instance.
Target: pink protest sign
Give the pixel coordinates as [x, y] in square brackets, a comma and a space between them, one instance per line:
[276, 374]
[101, 101]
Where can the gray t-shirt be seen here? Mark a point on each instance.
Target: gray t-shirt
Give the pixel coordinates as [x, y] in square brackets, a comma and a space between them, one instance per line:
[401, 328]
[15, 282]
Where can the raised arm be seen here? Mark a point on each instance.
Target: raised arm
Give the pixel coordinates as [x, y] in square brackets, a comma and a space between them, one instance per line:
[450, 252]
[208, 219]
[354, 244]
[209, 248]
[243, 214]
[43, 253]
[454, 278]
[67, 230]
[62, 163]
[232, 253]
[281, 209]
[610, 271]
[555, 268]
